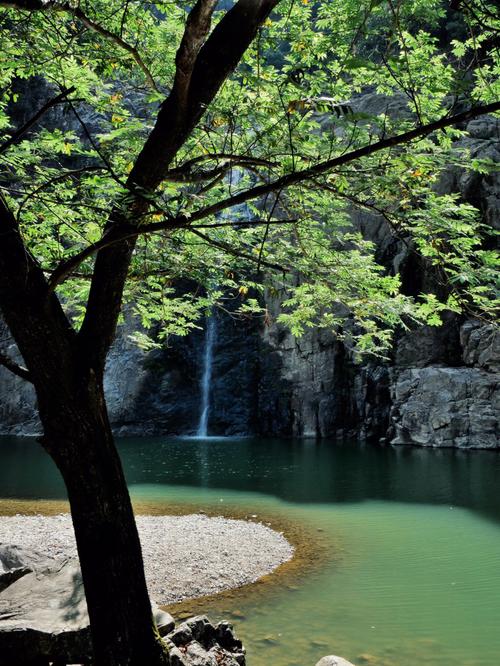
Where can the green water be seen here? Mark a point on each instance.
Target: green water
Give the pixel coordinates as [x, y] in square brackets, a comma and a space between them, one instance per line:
[412, 577]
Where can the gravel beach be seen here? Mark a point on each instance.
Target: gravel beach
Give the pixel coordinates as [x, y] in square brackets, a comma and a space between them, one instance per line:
[184, 556]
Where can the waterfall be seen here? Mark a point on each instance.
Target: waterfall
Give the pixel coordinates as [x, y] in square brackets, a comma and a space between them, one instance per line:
[206, 378]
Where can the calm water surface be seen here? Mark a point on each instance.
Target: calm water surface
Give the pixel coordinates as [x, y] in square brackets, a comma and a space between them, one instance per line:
[413, 574]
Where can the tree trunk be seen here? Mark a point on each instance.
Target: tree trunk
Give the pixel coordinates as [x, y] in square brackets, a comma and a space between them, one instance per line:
[78, 437]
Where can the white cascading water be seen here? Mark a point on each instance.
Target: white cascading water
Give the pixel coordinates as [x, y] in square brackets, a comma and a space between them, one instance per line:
[233, 178]
[206, 378]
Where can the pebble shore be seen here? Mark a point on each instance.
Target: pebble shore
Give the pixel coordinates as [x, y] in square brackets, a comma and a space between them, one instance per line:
[184, 556]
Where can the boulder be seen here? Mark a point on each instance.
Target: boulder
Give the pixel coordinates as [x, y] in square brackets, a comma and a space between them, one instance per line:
[43, 615]
[196, 642]
[16, 562]
[332, 660]
[165, 623]
[44, 612]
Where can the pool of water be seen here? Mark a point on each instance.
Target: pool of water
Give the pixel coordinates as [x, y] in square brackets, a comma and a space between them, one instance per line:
[412, 569]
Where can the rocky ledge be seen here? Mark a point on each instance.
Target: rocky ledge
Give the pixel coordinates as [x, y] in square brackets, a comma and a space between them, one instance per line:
[44, 619]
[450, 406]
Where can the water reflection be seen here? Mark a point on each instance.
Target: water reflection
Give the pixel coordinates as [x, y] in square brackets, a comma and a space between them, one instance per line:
[301, 471]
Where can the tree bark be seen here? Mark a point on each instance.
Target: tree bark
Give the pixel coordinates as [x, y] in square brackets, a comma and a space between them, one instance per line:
[78, 437]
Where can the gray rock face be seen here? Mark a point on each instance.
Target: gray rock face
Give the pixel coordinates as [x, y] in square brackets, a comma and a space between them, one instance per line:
[483, 192]
[44, 615]
[430, 345]
[446, 407]
[154, 392]
[18, 414]
[310, 387]
[445, 382]
[481, 345]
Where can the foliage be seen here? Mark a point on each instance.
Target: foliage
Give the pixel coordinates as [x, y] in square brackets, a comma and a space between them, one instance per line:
[66, 175]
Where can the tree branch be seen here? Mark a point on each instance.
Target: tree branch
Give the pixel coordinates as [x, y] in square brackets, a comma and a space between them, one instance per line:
[16, 369]
[119, 41]
[231, 157]
[185, 173]
[327, 165]
[18, 134]
[170, 223]
[242, 224]
[182, 110]
[34, 5]
[197, 28]
[37, 323]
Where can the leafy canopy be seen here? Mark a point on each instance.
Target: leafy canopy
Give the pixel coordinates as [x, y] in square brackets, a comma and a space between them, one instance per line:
[320, 80]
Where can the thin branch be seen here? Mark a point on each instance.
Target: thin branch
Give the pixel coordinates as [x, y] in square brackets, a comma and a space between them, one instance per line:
[94, 145]
[256, 161]
[13, 367]
[266, 232]
[185, 172]
[240, 224]
[235, 252]
[208, 186]
[119, 41]
[181, 176]
[18, 134]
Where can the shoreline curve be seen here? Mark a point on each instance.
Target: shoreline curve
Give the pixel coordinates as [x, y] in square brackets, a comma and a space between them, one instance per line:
[185, 556]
